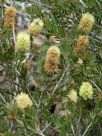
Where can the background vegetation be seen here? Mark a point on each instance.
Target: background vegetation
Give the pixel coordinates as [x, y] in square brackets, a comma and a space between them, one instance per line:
[49, 115]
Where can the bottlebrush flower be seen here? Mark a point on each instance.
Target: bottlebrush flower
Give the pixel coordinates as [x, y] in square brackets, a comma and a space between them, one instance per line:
[10, 14]
[9, 22]
[86, 22]
[23, 41]
[82, 42]
[72, 96]
[23, 101]
[86, 91]
[36, 27]
[52, 59]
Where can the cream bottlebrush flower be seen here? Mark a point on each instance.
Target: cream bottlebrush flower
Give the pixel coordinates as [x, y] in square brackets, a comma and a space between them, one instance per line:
[36, 27]
[86, 22]
[86, 91]
[72, 96]
[23, 101]
[82, 42]
[23, 41]
[52, 59]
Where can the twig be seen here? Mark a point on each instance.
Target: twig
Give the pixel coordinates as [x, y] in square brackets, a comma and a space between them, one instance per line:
[73, 129]
[98, 26]
[83, 3]
[87, 128]
[93, 116]
[46, 127]
[2, 10]
[14, 37]
[59, 82]
[39, 131]
[93, 38]
[33, 99]
[96, 86]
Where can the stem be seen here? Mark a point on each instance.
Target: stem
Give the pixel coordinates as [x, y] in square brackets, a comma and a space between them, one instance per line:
[14, 37]
[96, 86]
[59, 82]
[73, 130]
[87, 128]
[2, 10]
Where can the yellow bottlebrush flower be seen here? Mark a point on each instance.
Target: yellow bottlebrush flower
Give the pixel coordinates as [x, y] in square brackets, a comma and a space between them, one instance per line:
[86, 90]
[86, 22]
[23, 41]
[36, 27]
[82, 42]
[52, 59]
[72, 96]
[23, 101]
[10, 14]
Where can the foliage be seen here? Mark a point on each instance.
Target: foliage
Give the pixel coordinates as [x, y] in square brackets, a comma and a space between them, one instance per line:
[52, 113]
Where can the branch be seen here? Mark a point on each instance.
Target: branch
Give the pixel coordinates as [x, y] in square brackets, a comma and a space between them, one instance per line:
[59, 82]
[87, 128]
